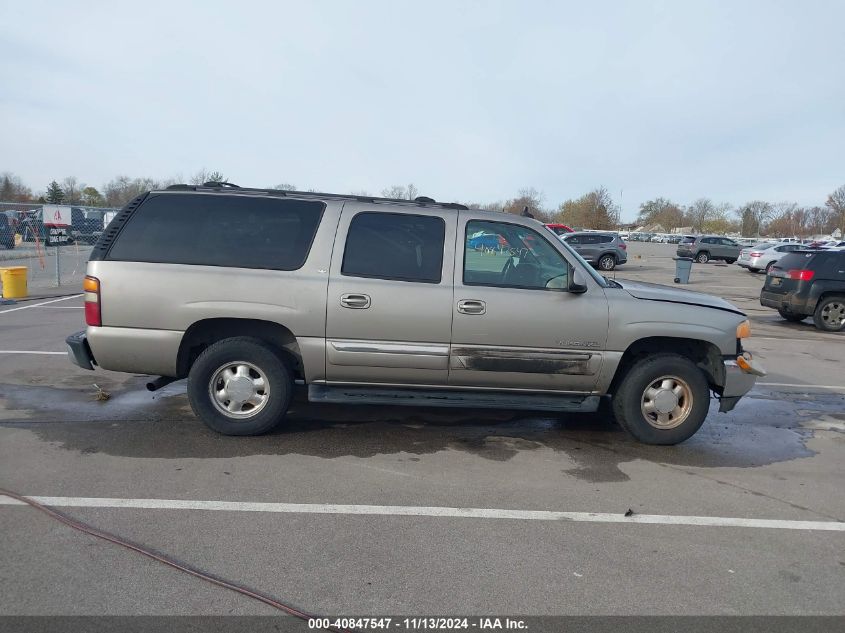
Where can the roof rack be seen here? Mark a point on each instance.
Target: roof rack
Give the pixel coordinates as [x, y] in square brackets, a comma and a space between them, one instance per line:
[421, 201]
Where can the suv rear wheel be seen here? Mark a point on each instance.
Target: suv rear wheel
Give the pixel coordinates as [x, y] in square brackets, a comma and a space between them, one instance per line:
[239, 386]
[607, 262]
[663, 399]
[703, 257]
[830, 314]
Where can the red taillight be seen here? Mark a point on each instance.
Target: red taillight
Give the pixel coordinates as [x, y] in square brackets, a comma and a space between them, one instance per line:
[91, 286]
[801, 275]
[756, 254]
[623, 246]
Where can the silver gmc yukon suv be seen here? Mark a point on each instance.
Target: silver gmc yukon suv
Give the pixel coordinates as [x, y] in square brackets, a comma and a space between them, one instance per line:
[248, 292]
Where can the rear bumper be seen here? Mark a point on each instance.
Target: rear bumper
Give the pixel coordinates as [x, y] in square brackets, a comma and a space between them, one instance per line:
[79, 352]
[788, 302]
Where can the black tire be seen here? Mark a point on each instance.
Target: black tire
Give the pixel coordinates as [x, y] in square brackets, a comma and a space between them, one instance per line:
[261, 361]
[629, 399]
[754, 270]
[730, 261]
[769, 267]
[607, 262]
[703, 257]
[793, 318]
[830, 313]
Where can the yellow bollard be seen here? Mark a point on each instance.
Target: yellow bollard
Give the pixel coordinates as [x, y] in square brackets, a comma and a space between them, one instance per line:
[13, 280]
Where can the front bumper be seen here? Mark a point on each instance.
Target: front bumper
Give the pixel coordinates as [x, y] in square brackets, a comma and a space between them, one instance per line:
[79, 352]
[738, 382]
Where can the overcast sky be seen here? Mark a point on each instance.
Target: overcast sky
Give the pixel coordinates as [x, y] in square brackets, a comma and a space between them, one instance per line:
[468, 100]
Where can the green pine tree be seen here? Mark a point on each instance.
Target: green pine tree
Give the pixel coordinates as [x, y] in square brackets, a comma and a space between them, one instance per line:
[55, 195]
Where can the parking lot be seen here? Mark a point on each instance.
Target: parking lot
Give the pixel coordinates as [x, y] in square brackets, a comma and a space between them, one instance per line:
[376, 510]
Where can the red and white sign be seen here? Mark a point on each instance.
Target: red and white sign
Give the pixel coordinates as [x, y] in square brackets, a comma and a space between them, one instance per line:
[56, 215]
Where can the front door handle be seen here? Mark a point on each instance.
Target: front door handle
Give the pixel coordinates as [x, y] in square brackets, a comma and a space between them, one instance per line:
[471, 306]
[356, 302]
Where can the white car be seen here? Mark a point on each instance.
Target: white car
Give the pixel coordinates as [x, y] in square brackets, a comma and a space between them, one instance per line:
[762, 256]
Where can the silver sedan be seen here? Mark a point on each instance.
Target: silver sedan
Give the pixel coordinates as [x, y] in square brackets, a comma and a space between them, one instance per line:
[762, 256]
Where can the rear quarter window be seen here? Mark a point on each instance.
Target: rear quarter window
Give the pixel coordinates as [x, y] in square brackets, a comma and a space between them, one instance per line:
[219, 230]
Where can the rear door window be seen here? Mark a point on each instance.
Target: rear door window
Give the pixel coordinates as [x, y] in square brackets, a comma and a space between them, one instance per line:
[397, 246]
[220, 230]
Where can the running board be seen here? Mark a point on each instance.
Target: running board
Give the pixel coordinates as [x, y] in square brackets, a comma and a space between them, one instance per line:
[452, 398]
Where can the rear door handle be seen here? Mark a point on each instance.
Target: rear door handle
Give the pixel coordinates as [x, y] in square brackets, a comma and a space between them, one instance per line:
[356, 302]
[471, 306]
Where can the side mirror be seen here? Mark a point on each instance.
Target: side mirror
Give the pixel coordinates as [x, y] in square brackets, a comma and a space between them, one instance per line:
[578, 285]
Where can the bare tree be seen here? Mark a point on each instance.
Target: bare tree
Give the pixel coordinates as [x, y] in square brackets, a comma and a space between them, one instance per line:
[699, 212]
[529, 198]
[836, 203]
[661, 211]
[594, 210]
[203, 176]
[12, 189]
[754, 216]
[396, 192]
[412, 191]
[72, 190]
[285, 187]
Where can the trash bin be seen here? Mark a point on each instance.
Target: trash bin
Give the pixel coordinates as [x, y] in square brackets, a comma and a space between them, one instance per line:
[14, 282]
[683, 266]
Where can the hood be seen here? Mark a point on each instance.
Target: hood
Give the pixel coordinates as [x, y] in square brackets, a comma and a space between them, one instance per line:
[656, 292]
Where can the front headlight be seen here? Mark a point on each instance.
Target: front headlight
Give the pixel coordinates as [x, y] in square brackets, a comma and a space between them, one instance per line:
[743, 330]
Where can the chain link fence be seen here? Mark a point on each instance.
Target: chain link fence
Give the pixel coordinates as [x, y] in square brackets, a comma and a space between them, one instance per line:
[55, 256]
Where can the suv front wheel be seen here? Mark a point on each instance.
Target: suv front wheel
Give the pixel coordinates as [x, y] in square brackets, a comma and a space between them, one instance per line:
[703, 257]
[238, 386]
[663, 399]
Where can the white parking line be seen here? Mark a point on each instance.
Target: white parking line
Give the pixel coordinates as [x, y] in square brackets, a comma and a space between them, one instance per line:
[4, 351]
[43, 303]
[428, 511]
[797, 386]
[63, 307]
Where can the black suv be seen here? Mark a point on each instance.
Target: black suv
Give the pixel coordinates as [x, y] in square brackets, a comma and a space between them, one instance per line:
[7, 229]
[805, 283]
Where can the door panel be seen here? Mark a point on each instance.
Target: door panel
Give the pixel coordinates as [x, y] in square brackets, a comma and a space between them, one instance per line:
[529, 336]
[390, 330]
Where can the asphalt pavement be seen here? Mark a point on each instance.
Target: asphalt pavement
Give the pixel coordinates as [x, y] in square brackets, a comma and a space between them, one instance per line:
[377, 510]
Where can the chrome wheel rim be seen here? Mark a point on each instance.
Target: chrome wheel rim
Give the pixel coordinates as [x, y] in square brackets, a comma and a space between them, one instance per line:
[239, 390]
[666, 402]
[834, 313]
[606, 263]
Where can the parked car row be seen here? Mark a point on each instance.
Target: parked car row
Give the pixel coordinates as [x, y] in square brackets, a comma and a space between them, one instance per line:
[662, 238]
